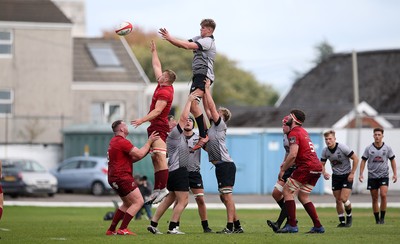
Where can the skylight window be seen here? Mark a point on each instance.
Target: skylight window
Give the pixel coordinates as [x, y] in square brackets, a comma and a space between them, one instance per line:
[104, 55]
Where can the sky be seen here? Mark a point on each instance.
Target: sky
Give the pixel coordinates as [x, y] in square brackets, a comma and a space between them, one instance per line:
[272, 39]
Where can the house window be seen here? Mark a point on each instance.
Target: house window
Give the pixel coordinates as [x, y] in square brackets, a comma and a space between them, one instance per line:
[6, 101]
[104, 55]
[106, 112]
[6, 42]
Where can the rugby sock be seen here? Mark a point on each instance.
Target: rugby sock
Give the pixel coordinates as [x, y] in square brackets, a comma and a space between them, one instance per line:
[310, 208]
[204, 223]
[348, 212]
[376, 217]
[229, 226]
[283, 214]
[172, 225]
[237, 224]
[154, 224]
[200, 125]
[291, 211]
[1, 212]
[383, 214]
[117, 217]
[125, 221]
[177, 224]
[160, 179]
[342, 219]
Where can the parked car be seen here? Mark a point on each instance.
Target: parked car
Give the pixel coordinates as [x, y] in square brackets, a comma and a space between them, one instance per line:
[83, 173]
[26, 177]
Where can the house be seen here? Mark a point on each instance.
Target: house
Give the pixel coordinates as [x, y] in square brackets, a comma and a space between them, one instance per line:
[35, 71]
[325, 93]
[51, 80]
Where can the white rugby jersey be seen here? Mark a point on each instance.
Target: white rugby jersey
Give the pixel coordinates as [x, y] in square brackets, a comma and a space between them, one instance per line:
[216, 146]
[377, 160]
[339, 157]
[177, 149]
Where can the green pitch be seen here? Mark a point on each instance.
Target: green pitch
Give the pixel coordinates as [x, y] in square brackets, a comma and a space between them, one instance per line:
[86, 225]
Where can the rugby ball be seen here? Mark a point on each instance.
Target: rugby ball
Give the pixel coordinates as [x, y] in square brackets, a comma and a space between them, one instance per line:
[124, 28]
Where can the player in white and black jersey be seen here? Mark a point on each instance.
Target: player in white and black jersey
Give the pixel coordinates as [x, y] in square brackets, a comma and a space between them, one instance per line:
[178, 177]
[195, 179]
[377, 155]
[343, 171]
[225, 169]
[278, 188]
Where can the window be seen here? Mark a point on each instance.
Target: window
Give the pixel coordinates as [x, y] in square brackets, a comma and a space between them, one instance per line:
[6, 101]
[87, 164]
[106, 112]
[6, 41]
[104, 55]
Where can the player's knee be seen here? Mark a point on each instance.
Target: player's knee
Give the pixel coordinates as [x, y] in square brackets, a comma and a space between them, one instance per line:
[278, 187]
[225, 190]
[347, 203]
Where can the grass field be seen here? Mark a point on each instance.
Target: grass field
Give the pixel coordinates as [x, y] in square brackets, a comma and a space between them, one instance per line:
[86, 225]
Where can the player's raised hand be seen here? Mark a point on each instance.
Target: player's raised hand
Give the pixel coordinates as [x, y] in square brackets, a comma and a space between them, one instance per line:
[136, 122]
[164, 33]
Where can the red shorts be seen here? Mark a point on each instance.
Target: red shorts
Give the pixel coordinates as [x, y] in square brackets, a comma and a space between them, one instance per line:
[306, 176]
[123, 186]
[161, 132]
[1, 189]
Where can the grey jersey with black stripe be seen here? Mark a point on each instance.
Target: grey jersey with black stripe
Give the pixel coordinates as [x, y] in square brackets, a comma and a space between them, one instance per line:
[216, 146]
[177, 148]
[194, 157]
[204, 56]
[339, 157]
[377, 160]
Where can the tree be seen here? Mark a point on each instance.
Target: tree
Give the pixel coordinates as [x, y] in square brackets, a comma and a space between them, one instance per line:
[232, 86]
[323, 51]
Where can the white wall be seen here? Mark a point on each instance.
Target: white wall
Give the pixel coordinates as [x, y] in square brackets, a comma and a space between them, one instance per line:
[358, 140]
[48, 156]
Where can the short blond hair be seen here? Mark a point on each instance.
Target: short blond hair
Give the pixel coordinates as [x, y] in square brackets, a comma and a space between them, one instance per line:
[171, 75]
[329, 132]
[226, 114]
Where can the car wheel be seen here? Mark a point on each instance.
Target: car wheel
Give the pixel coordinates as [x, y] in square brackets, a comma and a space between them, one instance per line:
[50, 194]
[13, 195]
[98, 188]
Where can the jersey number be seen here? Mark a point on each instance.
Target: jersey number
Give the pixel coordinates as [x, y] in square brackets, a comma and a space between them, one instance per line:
[311, 146]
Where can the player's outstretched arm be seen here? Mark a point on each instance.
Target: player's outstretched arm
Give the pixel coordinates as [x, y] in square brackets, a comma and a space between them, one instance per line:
[137, 154]
[159, 107]
[155, 60]
[186, 110]
[176, 42]
[210, 108]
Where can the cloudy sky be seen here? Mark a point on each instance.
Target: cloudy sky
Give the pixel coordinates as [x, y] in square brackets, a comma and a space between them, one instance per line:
[268, 38]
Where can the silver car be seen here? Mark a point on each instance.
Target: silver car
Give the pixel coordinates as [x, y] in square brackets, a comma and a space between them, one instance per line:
[83, 173]
[26, 177]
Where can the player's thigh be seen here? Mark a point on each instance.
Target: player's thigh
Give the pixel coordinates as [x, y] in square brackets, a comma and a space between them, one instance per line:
[345, 194]
[159, 144]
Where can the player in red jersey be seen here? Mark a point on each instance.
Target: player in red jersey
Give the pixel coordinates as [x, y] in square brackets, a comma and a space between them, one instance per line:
[1, 193]
[304, 177]
[121, 154]
[158, 118]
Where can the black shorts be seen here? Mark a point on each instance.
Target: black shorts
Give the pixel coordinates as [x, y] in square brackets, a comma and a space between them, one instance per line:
[198, 82]
[288, 173]
[178, 180]
[340, 181]
[374, 184]
[225, 172]
[195, 180]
